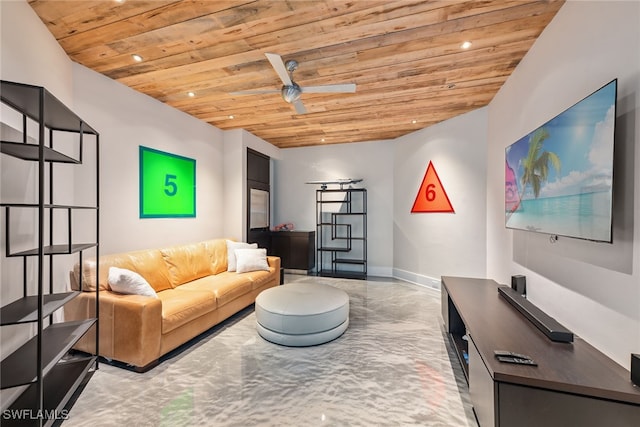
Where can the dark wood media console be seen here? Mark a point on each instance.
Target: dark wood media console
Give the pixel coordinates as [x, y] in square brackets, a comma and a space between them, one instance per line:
[573, 385]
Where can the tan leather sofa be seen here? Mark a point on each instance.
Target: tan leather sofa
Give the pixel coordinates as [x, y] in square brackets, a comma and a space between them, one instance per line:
[195, 292]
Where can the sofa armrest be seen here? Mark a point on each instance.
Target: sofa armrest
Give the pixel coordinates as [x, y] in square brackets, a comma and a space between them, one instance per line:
[274, 262]
[130, 326]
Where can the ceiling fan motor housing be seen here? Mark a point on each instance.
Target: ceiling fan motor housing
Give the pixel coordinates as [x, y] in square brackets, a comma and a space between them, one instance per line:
[291, 93]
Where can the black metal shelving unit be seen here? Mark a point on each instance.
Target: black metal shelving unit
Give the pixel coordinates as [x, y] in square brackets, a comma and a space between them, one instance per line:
[341, 232]
[42, 372]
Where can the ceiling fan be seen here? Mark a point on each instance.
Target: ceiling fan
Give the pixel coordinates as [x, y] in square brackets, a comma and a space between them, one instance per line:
[290, 90]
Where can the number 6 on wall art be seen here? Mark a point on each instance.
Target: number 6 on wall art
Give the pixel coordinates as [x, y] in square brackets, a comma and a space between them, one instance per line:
[167, 185]
[431, 196]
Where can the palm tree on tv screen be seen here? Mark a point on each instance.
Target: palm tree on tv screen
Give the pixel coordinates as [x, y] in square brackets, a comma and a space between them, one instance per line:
[536, 164]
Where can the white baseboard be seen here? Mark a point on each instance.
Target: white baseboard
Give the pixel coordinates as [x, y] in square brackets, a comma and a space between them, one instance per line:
[396, 273]
[418, 279]
[379, 271]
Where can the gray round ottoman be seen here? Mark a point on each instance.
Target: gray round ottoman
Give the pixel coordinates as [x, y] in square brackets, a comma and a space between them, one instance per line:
[302, 314]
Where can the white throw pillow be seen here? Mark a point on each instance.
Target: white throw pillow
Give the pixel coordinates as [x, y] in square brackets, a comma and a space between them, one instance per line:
[251, 260]
[129, 282]
[231, 254]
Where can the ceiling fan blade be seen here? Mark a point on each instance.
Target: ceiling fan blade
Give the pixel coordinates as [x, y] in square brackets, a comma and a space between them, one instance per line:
[279, 67]
[255, 92]
[342, 88]
[300, 107]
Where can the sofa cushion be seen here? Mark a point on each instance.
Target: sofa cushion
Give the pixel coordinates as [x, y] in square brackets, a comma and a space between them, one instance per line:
[147, 263]
[225, 286]
[129, 282]
[186, 262]
[180, 306]
[260, 278]
[217, 251]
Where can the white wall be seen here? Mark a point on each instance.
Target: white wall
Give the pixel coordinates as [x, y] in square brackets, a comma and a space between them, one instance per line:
[592, 288]
[429, 245]
[372, 161]
[127, 119]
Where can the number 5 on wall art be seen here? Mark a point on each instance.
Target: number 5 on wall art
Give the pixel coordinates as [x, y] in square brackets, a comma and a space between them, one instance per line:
[167, 185]
[431, 196]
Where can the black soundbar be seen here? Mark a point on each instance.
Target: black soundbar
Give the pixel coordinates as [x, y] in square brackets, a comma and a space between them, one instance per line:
[547, 324]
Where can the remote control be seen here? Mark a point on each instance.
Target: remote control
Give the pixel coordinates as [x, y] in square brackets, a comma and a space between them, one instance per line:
[516, 360]
[510, 354]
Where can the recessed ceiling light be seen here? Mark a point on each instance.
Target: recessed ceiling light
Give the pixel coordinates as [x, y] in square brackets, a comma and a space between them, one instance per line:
[231, 116]
[191, 94]
[466, 45]
[136, 57]
[414, 121]
[322, 140]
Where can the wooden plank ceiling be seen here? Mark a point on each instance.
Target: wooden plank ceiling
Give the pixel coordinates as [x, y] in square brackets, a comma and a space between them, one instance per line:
[404, 56]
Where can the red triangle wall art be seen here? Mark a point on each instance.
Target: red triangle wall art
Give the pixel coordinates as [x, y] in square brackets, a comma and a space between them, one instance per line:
[431, 196]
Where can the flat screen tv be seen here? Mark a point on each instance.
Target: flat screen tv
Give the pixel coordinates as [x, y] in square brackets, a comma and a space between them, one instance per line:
[167, 185]
[559, 177]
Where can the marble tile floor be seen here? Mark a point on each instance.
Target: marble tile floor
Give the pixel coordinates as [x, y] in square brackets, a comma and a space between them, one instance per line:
[392, 367]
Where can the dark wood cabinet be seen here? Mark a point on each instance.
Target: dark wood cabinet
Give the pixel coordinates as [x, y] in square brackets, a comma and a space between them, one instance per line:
[574, 384]
[258, 195]
[258, 167]
[296, 249]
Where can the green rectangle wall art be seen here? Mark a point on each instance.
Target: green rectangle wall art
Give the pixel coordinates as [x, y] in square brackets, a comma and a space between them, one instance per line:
[167, 185]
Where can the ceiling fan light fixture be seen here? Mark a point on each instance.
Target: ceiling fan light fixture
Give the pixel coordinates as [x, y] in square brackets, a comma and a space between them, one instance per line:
[291, 93]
